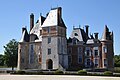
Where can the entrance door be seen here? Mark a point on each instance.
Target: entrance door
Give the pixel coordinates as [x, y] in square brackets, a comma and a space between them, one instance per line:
[49, 64]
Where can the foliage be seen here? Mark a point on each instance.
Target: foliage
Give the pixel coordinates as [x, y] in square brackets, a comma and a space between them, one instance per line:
[1, 60]
[19, 72]
[117, 69]
[10, 53]
[58, 72]
[117, 60]
[108, 73]
[82, 72]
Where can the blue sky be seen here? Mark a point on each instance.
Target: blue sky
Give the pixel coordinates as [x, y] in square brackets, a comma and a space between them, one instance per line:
[96, 13]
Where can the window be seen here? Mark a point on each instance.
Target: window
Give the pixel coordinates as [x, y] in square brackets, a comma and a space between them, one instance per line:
[49, 51]
[88, 62]
[79, 50]
[96, 52]
[105, 62]
[74, 41]
[31, 54]
[80, 59]
[88, 53]
[75, 34]
[48, 30]
[105, 49]
[96, 62]
[49, 40]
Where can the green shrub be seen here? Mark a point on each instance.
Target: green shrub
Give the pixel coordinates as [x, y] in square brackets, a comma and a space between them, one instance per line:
[58, 72]
[108, 73]
[82, 72]
[117, 69]
[40, 73]
[20, 72]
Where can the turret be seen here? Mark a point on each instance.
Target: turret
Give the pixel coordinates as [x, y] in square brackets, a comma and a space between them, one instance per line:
[107, 49]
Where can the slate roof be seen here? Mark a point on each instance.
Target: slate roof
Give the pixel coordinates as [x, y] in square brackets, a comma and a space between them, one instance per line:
[79, 34]
[107, 35]
[54, 18]
[37, 27]
[25, 36]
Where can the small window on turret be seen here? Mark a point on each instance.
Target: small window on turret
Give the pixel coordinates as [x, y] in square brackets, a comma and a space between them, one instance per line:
[105, 49]
[75, 34]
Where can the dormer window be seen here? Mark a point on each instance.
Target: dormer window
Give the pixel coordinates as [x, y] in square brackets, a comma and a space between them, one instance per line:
[75, 34]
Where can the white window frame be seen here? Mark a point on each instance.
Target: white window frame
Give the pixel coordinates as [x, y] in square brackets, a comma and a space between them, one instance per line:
[97, 61]
[105, 62]
[105, 49]
[80, 56]
[96, 48]
[87, 48]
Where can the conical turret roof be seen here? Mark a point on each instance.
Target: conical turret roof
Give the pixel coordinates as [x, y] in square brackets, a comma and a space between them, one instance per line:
[104, 36]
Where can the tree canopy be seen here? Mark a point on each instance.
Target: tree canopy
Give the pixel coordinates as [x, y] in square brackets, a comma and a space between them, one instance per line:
[117, 60]
[11, 53]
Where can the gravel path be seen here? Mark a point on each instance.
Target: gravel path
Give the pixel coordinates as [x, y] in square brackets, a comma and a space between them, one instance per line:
[54, 77]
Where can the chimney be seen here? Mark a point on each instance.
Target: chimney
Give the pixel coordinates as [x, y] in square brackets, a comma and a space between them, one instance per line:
[60, 11]
[87, 29]
[96, 35]
[31, 21]
[59, 14]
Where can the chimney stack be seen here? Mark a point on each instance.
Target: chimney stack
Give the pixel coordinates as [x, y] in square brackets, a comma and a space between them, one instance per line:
[59, 13]
[31, 21]
[96, 35]
[87, 29]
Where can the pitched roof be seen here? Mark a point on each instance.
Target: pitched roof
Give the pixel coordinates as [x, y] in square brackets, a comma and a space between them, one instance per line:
[37, 27]
[105, 33]
[79, 34]
[54, 18]
[25, 36]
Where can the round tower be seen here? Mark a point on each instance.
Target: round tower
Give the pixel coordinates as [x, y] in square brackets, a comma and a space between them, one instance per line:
[107, 49]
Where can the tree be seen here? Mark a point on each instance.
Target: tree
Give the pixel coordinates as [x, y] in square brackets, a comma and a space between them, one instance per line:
[117, 60]
[11, 53]
[1, 60]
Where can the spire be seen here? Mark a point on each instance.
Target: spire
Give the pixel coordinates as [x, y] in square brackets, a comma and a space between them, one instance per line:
[104, 36]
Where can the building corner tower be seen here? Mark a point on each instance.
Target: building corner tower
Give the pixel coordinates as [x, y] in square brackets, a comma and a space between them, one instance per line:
[54, 44]
[107, 49]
